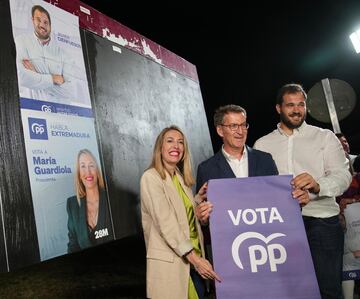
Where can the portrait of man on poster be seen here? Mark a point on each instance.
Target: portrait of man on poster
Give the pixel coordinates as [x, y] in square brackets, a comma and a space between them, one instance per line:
[45, 68]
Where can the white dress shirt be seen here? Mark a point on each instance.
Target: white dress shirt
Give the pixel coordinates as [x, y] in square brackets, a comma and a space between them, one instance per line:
[239, 167]
[48, 59]
[316, 151]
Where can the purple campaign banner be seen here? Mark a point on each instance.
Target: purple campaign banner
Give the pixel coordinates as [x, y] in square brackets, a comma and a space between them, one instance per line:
[258, 240]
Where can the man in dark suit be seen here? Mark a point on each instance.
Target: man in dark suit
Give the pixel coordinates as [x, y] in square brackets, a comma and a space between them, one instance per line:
[235, 159]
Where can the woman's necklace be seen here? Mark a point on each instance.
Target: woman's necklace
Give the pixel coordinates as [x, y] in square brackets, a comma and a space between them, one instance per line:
[92, 213]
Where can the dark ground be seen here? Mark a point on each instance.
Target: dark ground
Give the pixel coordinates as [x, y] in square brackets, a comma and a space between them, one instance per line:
[114, 270]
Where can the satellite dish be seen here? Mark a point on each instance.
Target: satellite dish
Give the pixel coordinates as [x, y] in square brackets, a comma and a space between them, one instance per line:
[344, 100]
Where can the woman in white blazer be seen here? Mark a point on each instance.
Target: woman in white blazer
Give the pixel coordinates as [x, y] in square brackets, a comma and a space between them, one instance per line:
[175, 259]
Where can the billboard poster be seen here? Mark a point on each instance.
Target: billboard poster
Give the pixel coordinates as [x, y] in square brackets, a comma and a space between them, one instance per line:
[259, 244]
[49, 56]
[68, 191]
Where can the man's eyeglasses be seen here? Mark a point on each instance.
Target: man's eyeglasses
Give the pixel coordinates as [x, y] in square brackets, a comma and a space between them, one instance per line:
[235, 127]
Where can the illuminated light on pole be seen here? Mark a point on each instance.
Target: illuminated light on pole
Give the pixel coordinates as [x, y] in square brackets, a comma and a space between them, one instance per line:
[355, 39]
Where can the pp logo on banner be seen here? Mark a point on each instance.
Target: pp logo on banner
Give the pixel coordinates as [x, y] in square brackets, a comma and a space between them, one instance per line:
[260, 255]
[37, 128]
[46, 108]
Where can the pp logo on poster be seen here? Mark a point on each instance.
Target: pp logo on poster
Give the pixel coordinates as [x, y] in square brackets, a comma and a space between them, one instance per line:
[38, 128]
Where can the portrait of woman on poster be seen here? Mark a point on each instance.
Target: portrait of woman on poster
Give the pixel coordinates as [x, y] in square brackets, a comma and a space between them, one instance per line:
[89, 221]
[175, 263]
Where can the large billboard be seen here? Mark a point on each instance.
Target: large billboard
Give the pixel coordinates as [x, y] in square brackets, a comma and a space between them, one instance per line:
[82, 108]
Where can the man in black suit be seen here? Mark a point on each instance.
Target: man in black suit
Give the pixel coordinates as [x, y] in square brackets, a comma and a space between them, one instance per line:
[235, 159]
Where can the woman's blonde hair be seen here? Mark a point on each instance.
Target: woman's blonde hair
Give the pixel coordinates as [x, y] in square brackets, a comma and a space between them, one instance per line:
[184, 165]
[79, 186]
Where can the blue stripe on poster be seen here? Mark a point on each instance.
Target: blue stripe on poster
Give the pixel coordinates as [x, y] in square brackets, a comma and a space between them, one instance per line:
[55, 107]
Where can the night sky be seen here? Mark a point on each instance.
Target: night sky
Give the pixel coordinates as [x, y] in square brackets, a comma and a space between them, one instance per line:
[244, 55]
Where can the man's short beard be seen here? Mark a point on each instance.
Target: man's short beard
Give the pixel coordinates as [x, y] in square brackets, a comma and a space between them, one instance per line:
[41, 37]
[286, 121]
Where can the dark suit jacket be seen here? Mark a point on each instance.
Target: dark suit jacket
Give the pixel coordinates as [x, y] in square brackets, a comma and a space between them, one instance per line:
[216, 167]
[78, 232]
